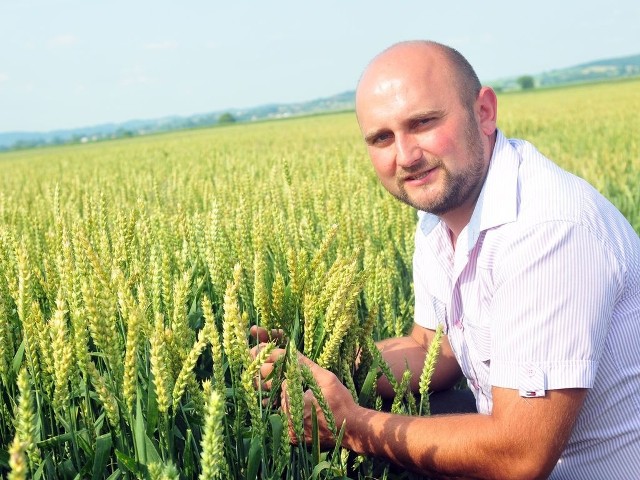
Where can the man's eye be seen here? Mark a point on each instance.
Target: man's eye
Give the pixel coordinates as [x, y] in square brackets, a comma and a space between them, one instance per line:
[382, 138]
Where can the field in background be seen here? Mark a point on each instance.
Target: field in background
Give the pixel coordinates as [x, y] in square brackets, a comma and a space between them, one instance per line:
[129, 271]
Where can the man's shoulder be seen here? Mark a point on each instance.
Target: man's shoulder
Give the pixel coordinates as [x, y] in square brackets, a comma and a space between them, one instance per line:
[547, 192]
[553, 199]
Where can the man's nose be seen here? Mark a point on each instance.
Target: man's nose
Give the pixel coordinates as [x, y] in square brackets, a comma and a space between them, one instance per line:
[408, 150]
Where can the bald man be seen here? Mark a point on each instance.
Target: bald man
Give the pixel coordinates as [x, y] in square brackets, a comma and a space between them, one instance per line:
[534, 276]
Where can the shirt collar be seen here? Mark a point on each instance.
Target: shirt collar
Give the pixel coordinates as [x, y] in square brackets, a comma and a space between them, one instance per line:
[497, 203]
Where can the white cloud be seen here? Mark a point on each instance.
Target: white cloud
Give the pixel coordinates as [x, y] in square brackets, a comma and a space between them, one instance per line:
[3, 77]
[135, 76]
[166, 45]
[62, 41]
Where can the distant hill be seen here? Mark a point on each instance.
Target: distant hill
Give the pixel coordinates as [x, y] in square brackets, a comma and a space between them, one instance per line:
[593, 71]
[20, 140]
[600, 70]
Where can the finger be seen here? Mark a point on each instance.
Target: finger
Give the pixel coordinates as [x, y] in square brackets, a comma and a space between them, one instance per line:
[266, 369]
[264, 381]
[258, 333]
[309, 398]
[254, 351]
[261, 334]
[276, 334]
[257, 349]
[275, 355]
[260, 384]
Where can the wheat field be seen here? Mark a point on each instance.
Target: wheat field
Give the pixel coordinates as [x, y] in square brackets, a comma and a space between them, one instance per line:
[131, 270]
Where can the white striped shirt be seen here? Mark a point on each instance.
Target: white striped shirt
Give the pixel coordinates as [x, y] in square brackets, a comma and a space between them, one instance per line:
[543, 292]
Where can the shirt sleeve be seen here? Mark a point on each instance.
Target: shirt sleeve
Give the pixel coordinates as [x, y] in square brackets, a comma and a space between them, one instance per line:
[555, 290]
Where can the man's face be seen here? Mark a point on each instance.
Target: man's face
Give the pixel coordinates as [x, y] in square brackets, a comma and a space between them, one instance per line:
[425, 145]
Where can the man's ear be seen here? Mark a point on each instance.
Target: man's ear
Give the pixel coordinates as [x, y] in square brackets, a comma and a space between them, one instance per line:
[487, 110]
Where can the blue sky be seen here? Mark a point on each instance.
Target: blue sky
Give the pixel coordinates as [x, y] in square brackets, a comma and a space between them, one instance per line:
[74, 63]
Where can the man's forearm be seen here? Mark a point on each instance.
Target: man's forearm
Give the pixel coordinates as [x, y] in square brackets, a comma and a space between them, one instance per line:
[398, 353]
[522, 438]
[448, 446]
[401, 352]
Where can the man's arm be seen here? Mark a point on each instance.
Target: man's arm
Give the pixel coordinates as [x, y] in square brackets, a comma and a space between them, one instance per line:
[399, 352]
[411, 350]
[522, 438]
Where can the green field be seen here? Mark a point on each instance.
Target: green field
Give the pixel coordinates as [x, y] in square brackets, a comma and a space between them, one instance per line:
[130, 271]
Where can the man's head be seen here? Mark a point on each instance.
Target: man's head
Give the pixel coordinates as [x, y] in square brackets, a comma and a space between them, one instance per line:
[429, 127]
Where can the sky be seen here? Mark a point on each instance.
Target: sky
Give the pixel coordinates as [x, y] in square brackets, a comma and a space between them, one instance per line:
[76, 63]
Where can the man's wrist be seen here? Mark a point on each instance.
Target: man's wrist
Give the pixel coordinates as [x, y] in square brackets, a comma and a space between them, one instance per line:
[352, 428]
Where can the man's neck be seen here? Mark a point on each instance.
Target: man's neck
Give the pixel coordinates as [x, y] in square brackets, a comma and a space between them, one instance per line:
[453, 237]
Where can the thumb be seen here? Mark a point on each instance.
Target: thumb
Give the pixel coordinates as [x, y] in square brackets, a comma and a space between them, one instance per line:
[321, 375]
[308, 362]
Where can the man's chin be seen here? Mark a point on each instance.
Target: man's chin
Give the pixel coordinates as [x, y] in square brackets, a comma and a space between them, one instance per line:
[416, 203]
[412, 200]
[437, 209]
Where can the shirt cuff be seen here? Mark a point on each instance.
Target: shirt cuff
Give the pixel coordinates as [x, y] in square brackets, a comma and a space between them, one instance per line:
[556, 375]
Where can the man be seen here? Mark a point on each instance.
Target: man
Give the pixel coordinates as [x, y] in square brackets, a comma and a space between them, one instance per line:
[534, 276]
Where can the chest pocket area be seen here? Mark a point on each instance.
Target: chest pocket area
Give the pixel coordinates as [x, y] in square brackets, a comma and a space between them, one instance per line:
[477, 320]
[477, 332]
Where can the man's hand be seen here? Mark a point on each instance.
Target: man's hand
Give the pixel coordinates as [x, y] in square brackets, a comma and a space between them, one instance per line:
[337, 396]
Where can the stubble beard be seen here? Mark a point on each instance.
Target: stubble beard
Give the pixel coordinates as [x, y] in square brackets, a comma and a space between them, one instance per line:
[457, 188]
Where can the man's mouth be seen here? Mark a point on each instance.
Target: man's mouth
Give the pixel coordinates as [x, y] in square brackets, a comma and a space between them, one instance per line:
[420, 178]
